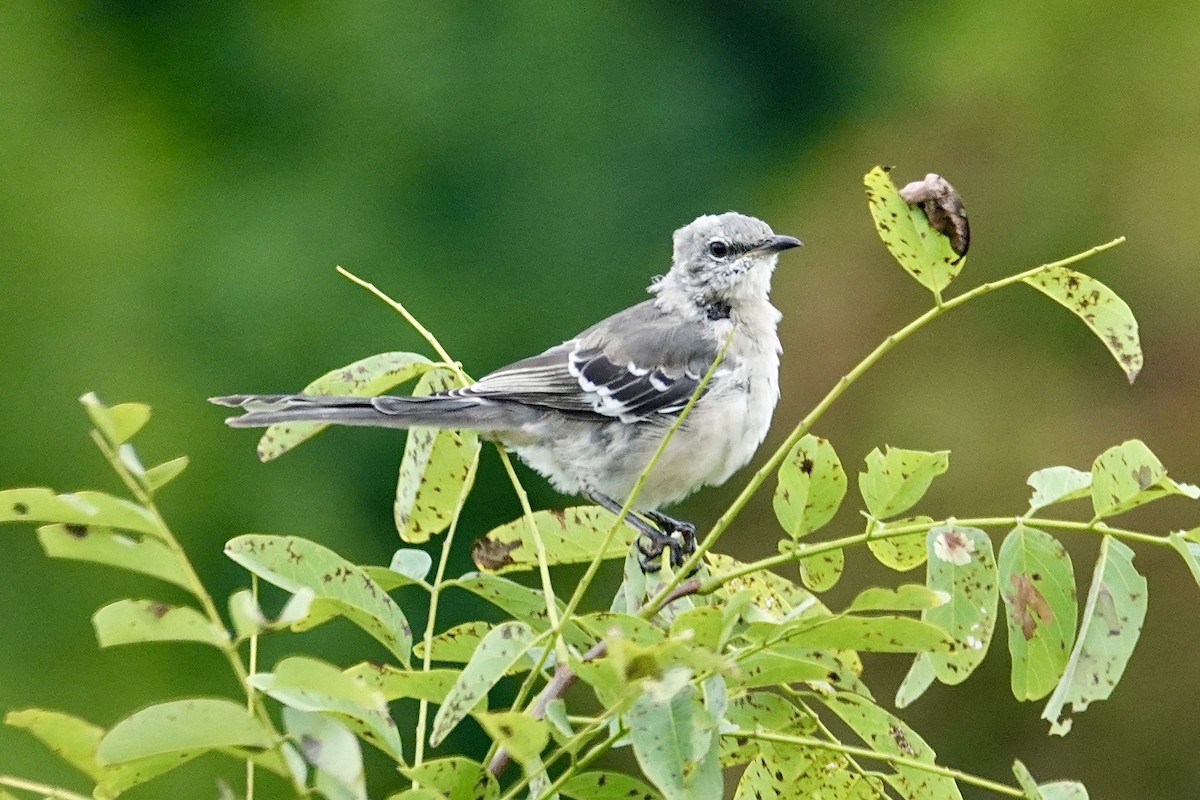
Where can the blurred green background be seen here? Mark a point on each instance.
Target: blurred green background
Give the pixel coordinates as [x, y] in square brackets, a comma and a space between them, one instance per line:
[178, 180]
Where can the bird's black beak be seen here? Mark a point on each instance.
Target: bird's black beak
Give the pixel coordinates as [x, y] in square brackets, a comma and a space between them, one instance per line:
[779, 243]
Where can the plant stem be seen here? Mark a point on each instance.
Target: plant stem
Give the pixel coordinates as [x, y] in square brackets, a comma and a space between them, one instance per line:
[252, 659]
[712, 583]
[560, 647]
[43, 789]
[766, 470]
[873, 755]
[598, 750]
[435, 594]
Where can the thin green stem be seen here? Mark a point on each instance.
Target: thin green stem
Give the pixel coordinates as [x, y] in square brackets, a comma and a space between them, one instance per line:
[560, 647]
[252, 666]
[874, 755]
[714, 582]
[41, 789]
[421, 329]
[598, 750]
[435, 594]
[766, 470]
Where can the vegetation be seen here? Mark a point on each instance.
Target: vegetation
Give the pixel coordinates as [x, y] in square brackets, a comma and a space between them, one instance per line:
[719, 665]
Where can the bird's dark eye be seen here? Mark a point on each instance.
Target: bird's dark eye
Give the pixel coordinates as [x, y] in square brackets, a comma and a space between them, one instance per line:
[718, 248]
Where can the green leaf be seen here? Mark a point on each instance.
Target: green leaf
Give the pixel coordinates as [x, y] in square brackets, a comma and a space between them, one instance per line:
[80, 508]
[1057, 485]
[1129, 475]
[182, 726]
[520, 602]
[896, 479]
[456, 778]
[457, 644]
[368, 377]
[339, 587]
[570, 536]
[765, 710]
[821, 571]
[908, 597]
[811, 486]
[607, 786]
[307, 684]
[886, 733]
[1190, 552]
[924, 253]
[963, 568]
[881, 634]
[117, 423]
[1038, 587]
[159, 476]
[919, 678]
[520, 734]
[72, 739]
[332, 749]
[704, 626]
[1112, 622]
[432, 685]
[118, 778]
[772, 596]
[901, 552]
[770, 668]
[796, 772]
[1059, 790]
[104, 546]
[635, 629]
[499, 650]
[1106, 314]
[131, 621]
[674, 740]
[435, 471]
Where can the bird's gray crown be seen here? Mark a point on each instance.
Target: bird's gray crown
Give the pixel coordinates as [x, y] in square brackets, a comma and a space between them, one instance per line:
[725, 258]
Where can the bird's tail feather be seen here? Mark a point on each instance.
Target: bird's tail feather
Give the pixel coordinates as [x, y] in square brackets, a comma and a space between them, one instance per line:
[389, 411]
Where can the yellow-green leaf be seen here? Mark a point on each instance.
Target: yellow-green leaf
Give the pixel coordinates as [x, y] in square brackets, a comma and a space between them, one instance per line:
[339, 587]
[498, 651]
[1038, 587]
[1129, 475]
[134, 621]
[569, 536]
[104, 546]
[182, 726]
[1106, 314]
[435, 472]
[963, 569]
[811, 486]
[1112, 622]
[896, 479]
[924, 253]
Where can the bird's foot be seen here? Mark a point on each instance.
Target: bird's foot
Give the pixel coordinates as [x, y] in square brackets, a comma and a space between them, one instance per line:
[677, 535]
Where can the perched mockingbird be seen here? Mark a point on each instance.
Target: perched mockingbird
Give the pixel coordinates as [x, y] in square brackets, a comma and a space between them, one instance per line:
[589, 413]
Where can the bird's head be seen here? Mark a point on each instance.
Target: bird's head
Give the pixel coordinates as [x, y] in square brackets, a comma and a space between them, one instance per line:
[723, 258]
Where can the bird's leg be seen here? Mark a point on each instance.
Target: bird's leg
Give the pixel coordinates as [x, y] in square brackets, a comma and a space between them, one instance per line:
[652, 540]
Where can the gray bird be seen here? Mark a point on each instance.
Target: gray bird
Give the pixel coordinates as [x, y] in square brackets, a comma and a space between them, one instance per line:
[588, 414]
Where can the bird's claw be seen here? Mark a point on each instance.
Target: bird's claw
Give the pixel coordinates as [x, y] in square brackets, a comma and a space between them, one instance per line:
[677, 535]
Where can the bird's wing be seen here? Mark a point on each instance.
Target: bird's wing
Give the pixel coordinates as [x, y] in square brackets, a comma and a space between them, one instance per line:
[637, 363]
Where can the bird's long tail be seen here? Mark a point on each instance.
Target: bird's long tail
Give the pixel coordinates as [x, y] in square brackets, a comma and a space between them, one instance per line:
[389, 411]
